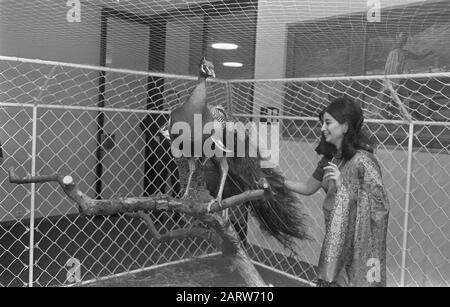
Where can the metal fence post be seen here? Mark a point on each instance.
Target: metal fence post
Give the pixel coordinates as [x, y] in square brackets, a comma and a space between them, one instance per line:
[32, 197]
[229, 97]
[33, 173]
[407, 198]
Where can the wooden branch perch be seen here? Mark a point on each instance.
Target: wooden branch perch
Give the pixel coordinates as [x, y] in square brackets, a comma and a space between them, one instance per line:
[92, 207]
[198, 232]
[221, 232]
[148, 221]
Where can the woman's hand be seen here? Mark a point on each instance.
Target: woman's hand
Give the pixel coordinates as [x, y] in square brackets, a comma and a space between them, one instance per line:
[332, 172]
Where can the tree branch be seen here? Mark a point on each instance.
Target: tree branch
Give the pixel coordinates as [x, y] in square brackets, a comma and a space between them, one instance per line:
[92, 207]
[233, 201]
[198, 232]
[148, 221]
[221, 232]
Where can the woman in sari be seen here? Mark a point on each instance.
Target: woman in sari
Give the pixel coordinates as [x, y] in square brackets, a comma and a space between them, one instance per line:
[356, 207]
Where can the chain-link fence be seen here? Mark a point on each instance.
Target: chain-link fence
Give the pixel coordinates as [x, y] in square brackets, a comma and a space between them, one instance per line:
[101, 127]
[408, 119]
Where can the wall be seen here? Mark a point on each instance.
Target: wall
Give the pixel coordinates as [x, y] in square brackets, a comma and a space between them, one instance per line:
[270, 66]
[271, 36]
[29, 31]
[66, 141]
[178, 37]
[37, 32]
[428, 238]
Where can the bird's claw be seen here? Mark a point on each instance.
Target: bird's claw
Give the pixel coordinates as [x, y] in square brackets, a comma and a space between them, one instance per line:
[186, 194]
[263, 184]
[218, 200]
[208, 206]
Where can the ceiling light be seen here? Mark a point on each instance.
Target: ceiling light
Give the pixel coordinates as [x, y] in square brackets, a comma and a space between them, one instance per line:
[224, 46]
[232, 64]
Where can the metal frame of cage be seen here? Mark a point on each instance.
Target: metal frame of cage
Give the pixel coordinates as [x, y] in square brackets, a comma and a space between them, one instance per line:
[39, 94]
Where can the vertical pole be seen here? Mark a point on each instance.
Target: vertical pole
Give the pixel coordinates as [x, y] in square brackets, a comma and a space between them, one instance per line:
[229, 97]
[101, 104]
[365, 47]
[33, 173]
[407, 198]
[205, 33]
[229, 109]
[33, 197]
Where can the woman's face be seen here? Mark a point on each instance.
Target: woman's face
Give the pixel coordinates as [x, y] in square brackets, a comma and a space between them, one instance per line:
[332, 130]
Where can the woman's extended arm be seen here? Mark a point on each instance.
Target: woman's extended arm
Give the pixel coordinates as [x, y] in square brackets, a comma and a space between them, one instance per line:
[305, 188]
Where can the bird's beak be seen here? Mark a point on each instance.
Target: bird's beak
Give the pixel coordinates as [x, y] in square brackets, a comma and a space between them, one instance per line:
[211, 72]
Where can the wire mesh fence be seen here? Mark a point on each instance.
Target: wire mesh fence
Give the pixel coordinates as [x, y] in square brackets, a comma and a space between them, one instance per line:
[101, 127]
[409, 123]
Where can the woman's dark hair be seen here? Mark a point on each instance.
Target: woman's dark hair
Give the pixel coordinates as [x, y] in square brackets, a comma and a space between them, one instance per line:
[345, 110]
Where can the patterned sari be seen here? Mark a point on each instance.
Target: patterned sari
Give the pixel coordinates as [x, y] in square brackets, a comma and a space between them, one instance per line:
[356, 218]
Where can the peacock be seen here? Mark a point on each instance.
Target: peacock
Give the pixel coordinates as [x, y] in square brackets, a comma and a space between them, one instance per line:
[188, 113]
[281, 215]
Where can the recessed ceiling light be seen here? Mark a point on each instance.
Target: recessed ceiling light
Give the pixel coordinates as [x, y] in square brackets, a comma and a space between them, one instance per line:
[232, 64]
[224, 46]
